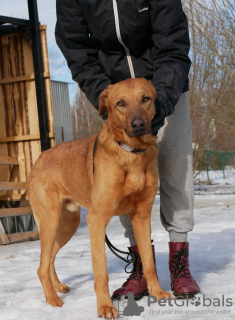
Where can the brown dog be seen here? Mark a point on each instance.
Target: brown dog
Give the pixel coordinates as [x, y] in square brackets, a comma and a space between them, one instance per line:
[124, 182]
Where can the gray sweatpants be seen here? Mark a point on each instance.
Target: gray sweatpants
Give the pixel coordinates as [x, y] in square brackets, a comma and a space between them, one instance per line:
[176, 175]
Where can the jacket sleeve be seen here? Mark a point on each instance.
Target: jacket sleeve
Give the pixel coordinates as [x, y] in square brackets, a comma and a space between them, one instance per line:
[171, 40]
[80, 50]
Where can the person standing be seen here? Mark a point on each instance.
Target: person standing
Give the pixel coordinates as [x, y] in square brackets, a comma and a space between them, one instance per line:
[107, 41]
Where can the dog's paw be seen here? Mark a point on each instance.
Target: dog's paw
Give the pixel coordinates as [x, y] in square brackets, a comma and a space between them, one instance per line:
[108, 312]
[61, 287]
[162, 294]
[55, 301]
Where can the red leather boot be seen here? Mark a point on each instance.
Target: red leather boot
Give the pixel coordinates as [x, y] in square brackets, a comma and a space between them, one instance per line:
[182, 282]
[136, 282]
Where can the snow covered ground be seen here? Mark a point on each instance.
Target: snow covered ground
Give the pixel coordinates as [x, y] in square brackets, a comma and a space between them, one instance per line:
[212, 260]
[216, 182]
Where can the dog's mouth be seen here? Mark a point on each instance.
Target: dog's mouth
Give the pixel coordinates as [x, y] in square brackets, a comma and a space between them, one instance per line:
[137, 133]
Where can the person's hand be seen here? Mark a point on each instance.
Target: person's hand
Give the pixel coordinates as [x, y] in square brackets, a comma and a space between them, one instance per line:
[163, 108]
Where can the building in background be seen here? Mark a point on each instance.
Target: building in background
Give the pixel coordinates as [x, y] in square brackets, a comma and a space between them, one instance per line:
[62, 112]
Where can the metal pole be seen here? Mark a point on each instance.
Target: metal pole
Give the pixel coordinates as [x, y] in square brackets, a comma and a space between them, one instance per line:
[207, 170]
[38, 71]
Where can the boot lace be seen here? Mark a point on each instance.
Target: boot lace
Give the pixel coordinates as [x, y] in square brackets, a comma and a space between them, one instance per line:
[179, 265]
[137, 270]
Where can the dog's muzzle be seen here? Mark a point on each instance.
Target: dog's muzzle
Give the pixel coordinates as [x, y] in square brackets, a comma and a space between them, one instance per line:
[138, 128]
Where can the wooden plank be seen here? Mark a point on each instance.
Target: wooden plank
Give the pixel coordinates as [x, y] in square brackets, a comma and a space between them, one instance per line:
[14, 173]
[7, 93]
[24, 111]
[8, 106]
[43, 27]
[14, 197]
[26, 137]
[4, 169]
[8, 186]
[12, 212]
[22, 78]
[17, 79]
[4, 40]
[33, 124]
[3, 237]
[47, 84]
[17, 103]
[8, 160]
[13, 176]
[24, 236]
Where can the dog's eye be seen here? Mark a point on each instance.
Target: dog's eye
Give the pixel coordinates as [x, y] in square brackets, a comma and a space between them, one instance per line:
[121, 103]
[146, 99]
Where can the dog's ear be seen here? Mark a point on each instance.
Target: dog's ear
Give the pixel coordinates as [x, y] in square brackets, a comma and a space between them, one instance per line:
[103, 101]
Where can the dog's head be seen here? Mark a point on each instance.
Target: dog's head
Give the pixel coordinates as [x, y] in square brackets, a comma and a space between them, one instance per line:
[130, 106]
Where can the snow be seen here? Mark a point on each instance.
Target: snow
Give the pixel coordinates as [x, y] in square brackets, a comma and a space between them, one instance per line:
[211, 180]
[212, 261]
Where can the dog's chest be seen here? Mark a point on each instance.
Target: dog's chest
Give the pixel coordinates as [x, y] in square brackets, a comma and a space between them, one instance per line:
[135, 181]
[138, 186]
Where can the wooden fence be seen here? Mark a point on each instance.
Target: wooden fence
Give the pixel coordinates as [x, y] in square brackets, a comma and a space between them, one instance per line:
[19, 125]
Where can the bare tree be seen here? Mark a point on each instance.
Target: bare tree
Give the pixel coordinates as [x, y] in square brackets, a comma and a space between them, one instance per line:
[212, 76]
[86, 120]
[55, 61]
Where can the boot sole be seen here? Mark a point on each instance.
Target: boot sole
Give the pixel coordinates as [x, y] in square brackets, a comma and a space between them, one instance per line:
[185, 295]
[137, 297]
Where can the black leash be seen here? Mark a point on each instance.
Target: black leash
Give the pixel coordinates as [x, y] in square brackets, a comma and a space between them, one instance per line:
[94, 151]
[130, 256]
[109, 244]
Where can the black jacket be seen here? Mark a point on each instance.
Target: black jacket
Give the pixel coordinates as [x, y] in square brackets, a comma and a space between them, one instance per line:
[153, 43]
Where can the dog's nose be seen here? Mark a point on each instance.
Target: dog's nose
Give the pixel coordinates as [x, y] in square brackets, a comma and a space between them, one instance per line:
[138, 124]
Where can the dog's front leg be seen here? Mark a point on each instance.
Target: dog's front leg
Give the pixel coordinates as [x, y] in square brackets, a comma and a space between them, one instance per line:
[97, 225]
[141, 221]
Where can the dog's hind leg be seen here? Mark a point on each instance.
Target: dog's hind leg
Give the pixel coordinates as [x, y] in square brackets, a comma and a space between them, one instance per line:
[48, 219]
[68, 225]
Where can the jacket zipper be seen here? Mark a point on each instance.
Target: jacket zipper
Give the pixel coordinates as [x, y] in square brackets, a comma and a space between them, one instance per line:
[129, 60]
